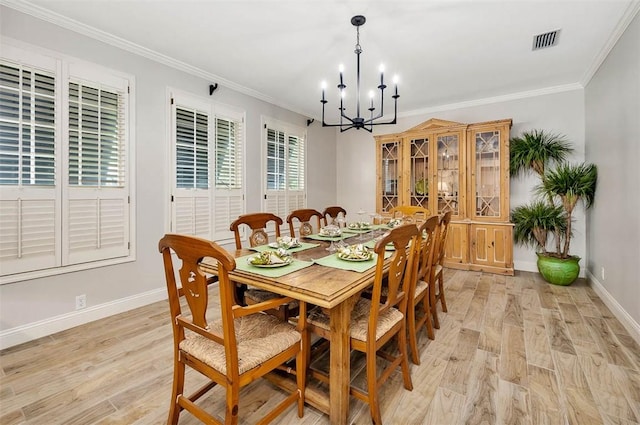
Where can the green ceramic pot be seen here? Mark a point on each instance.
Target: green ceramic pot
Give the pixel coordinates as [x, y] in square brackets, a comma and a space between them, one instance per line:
[557, 270]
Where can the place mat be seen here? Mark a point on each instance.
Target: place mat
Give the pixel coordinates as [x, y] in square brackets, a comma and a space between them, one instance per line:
[319, 237]
[355, 266]
[347, 230]
[302, 247]
[372, 243]
[243, 265]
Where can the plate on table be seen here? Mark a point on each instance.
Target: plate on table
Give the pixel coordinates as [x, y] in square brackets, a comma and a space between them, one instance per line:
[270, 259]
[355, 253]
[285, 242]
[359, 225]
[330, 232]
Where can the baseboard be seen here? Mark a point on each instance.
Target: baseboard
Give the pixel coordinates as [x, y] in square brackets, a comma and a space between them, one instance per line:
[627, 321]
[35, 330]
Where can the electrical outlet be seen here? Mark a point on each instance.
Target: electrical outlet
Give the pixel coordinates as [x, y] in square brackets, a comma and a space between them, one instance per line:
[81, 301]
[602, 272]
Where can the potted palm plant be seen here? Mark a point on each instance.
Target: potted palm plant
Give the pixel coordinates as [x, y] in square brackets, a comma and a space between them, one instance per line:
[562, 187]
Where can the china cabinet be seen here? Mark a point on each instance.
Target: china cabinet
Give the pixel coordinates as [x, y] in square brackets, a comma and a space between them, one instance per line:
[450, 166]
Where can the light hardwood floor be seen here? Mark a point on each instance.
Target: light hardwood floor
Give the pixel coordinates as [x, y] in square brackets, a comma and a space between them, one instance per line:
[511, 350]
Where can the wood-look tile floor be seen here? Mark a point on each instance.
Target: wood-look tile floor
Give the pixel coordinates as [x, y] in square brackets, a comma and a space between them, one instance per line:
[510, 350]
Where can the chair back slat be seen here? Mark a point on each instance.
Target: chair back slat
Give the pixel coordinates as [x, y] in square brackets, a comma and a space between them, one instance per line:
[428, 232]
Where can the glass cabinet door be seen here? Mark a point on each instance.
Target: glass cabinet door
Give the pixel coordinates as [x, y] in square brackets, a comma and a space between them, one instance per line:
[419, 158]
[448, 173]
[389, 169]
[487, 173]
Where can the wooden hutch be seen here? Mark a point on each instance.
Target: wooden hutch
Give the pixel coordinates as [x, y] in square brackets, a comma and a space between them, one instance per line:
[450, 166]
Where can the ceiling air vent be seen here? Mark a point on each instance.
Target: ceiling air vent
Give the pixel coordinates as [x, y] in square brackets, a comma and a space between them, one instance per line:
[547, 39]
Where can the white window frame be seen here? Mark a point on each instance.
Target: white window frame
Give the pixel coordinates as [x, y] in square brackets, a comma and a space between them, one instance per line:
[223, 205]
[65, 68]
[282, 202]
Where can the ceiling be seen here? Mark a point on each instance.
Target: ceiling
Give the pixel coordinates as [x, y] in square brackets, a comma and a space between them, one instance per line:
[443, 51]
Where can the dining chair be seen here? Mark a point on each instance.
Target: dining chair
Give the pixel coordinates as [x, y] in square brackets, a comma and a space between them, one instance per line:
[330, 215]
[375, 322]
[302, 218]
[438, 270]
[419, 291]
[258, 223]
[414, 212]
[241, 346]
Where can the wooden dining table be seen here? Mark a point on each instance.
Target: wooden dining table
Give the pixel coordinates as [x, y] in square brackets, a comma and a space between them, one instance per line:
[334, 289]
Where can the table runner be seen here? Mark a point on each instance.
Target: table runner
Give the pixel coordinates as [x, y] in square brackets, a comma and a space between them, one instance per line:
[356, 266]
[302, 247]
[243, 264]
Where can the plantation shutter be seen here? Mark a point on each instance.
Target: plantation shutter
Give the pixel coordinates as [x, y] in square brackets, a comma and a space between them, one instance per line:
[276, 194]
[229, 184]
[29, 199]
[96, 219]
[285, 169]
[295, 172]
[191, 195]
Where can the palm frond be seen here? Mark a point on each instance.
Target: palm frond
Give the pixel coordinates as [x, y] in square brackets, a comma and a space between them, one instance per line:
[536, 150]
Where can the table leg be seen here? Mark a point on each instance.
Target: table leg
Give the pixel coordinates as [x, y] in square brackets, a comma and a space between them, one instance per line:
[340, 367]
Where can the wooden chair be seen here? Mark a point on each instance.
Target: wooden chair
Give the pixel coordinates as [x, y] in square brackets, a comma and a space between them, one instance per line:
[241, 346]
[375, 322]
[258, 222]
[438, 270]
[330, 215]
[419, 292]
[413, 212]
[303, 218]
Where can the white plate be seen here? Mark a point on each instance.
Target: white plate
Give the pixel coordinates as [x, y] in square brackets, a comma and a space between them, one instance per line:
[275, 245]
[354, 259]
[270, 266]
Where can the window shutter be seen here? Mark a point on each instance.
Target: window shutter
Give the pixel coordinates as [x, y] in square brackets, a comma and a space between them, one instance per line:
[29, 201]
[191, 206]
[229, 185]
[97, 219]
[285, 168]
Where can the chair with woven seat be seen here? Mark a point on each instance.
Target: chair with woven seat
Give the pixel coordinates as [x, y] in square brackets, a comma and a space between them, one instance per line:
[374, 322]
[419, 292]
[303, 219]
[233, 351]
[413, 212]
[438, 270]
[258, 223]
[331, 214]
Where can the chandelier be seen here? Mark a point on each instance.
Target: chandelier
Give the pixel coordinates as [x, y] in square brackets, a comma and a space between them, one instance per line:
[359, 122]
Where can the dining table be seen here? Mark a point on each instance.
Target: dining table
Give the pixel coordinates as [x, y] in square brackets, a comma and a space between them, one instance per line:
[316, 276]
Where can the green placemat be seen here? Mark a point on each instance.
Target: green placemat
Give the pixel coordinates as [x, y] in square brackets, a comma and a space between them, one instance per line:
[302, 247]
[356, 266]
[372, 243]
[243, 264]
[319, 237]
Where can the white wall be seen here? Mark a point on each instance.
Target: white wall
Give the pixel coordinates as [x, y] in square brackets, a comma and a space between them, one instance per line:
[561, 112]
[612, 100]
[37, 307]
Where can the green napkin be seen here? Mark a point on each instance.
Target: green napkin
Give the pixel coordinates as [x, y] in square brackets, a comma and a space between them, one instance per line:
[356, 266]
[242, 264]
[302, 247]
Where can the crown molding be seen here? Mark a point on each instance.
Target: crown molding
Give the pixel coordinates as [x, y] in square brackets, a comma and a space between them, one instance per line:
[115, 41]
[494, 99]
[630, 13]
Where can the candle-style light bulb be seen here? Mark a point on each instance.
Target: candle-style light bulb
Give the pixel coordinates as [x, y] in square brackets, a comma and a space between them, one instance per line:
[341, 70]
[323, 86]
[381, 74]
[371, 95]
[395, 82]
